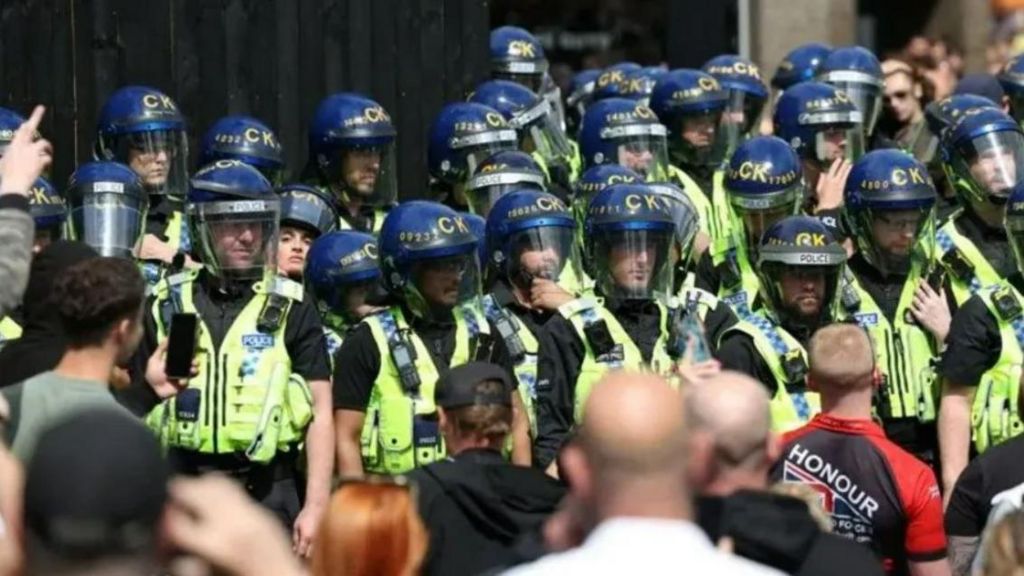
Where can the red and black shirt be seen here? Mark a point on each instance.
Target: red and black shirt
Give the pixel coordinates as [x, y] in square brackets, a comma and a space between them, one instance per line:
[876, 493]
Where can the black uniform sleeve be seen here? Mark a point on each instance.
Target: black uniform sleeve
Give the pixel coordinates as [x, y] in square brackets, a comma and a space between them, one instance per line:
[139, 398]
[558, 367]
[356, 365]
[972, 346]
[737, 352]
[967, 512]
[706, 277]
[304, 339]
[500, 354]
[718, 320]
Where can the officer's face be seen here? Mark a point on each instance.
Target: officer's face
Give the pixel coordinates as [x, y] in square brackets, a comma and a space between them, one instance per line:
[894, 231]
[899, 98]
[540, 263]
[803, 291]
[292, 249]
[361, 169]
[151, 164]
[438, 280]
[699, 131]
[238, 244]
[833, 142]
[994, 169]
[355, 300]
[632, 267]
[637, 158]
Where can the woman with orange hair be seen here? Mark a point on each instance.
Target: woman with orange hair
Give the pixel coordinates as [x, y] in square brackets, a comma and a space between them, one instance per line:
[370, 529]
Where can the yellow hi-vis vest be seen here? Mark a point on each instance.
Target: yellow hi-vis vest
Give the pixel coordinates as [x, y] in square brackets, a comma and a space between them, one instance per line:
[523, 348]
[9, 330]
[738, 284]
[994, 414]
[245, 398]
[177, 238]
[705, 210]
[400, 429]
[905, 352]
[377, 223]
[966, 267]
[787, 360]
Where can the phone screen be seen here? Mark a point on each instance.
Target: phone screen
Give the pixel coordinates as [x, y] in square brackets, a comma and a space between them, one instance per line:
[182, 346]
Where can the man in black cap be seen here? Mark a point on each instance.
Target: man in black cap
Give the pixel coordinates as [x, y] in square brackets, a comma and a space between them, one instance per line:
[474, 503]
[986, 85]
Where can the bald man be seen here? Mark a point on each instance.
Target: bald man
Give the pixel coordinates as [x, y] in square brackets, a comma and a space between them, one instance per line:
[876, 493]
[627, 468]
[732, 450]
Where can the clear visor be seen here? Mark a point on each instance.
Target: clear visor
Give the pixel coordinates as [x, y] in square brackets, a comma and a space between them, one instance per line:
[838, 141]
[237, 239]
[894, 237]
[867, 97]
[160, 158]
[684, 214]
[532, 80]
[441, 284]
[742, 115]
[539, 253]
[348, 301]
[482, 199]
[703, 139]
[477, 153]
[1015, 233]
[112, 224]
[369, 174]
[993, 163]
[544, 135]
[644, 154]
[758, 219]
[553, 94]
[633, 264]
[802, 295]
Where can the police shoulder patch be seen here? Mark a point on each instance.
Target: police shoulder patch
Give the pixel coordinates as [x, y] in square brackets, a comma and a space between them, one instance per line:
[258, 341]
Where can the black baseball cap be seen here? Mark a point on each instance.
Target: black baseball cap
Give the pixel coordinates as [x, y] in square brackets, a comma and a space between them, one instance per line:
[459, 386]
[981, 84]
[96, 485]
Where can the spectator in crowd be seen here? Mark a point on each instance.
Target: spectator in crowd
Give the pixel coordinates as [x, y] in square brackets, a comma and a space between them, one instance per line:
[1004, 552]
[732, 451]
[627, 469]
[95, 492]
[880, 495]
[475, 504]
[42, 341]
[11, 485]
[100, 305]
[22, 162]
[371, 529]
[904, 99]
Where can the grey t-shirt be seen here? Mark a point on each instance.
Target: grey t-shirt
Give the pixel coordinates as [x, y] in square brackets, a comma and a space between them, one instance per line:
[47, 398]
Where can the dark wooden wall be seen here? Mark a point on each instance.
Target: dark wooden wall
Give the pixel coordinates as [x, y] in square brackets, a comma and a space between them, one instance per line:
[272, 59]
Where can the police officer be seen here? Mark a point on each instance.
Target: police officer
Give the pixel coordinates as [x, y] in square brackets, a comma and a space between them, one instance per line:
[690, 104]
[518, 56]
[306, 214]
[631, 84]
[107, 206]
[984, 161]
[499, 174]
[352, 156]
[247, 139]
[537, 128]
[593, 181]
[800, 65]
[895, 290]
[981, 365]
[800, 267]
[631, 322]
[463, 135]
[857, 72]
[581, 93]
[50, 213]
[747, 94]
[1011, 78]
[763, 184]
[824, 126]
[387, 367]
[143, 129]
[343, 274]
[624, 132]
[939, 116]
[262, 385]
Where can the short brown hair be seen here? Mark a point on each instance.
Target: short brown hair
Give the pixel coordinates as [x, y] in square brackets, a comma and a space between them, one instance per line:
[94, 295]
[491, 421]
[841, 355]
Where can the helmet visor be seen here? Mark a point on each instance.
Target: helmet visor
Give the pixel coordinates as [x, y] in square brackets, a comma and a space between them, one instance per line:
[1015, 233]
[160, 158]
[800, 294]
[541, 252]
[553, 94]
[867, 97]
[369, 174]
[644, 154]
[742, 115]
[894, 237]
[838, 141]
[702, 140]
[476, 154]
[237, 239]
[758, 214]
[540, 132]
[440, 284]
[112, 224]
[992, 163]
[532, 80]
[633, 264]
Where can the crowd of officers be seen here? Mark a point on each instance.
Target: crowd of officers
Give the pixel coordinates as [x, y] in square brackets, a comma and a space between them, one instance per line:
[642, 222]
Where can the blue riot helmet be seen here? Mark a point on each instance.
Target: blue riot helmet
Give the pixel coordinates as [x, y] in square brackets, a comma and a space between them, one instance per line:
[624, 132]
[10, 121]
[685, 216]
[741, 80]
[597, 179]
[342, 270]
[631, 84]
[234, 216]
[426, 250]
[820, 122]
[107, 204]
[629, 233]
[942, 114]
[799, 253]
[530, 234]
[889, 204]
[499, 174]
[581, 93]
[518, 56]
[247, 139]
[764, 184]
[478, 225]
[610, 79]
[143, 129]
[690, 104]
[307, 207]
[857, 72]
[984, 156]
[800, 65]
[462, 136]
[1012, 81]
[352, 149]
[530, 115]
[48, 211]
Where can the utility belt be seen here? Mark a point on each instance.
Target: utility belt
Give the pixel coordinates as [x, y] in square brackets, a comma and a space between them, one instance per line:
[236, 465]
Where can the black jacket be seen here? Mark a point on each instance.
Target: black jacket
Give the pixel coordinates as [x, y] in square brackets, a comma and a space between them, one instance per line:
[476, 507]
